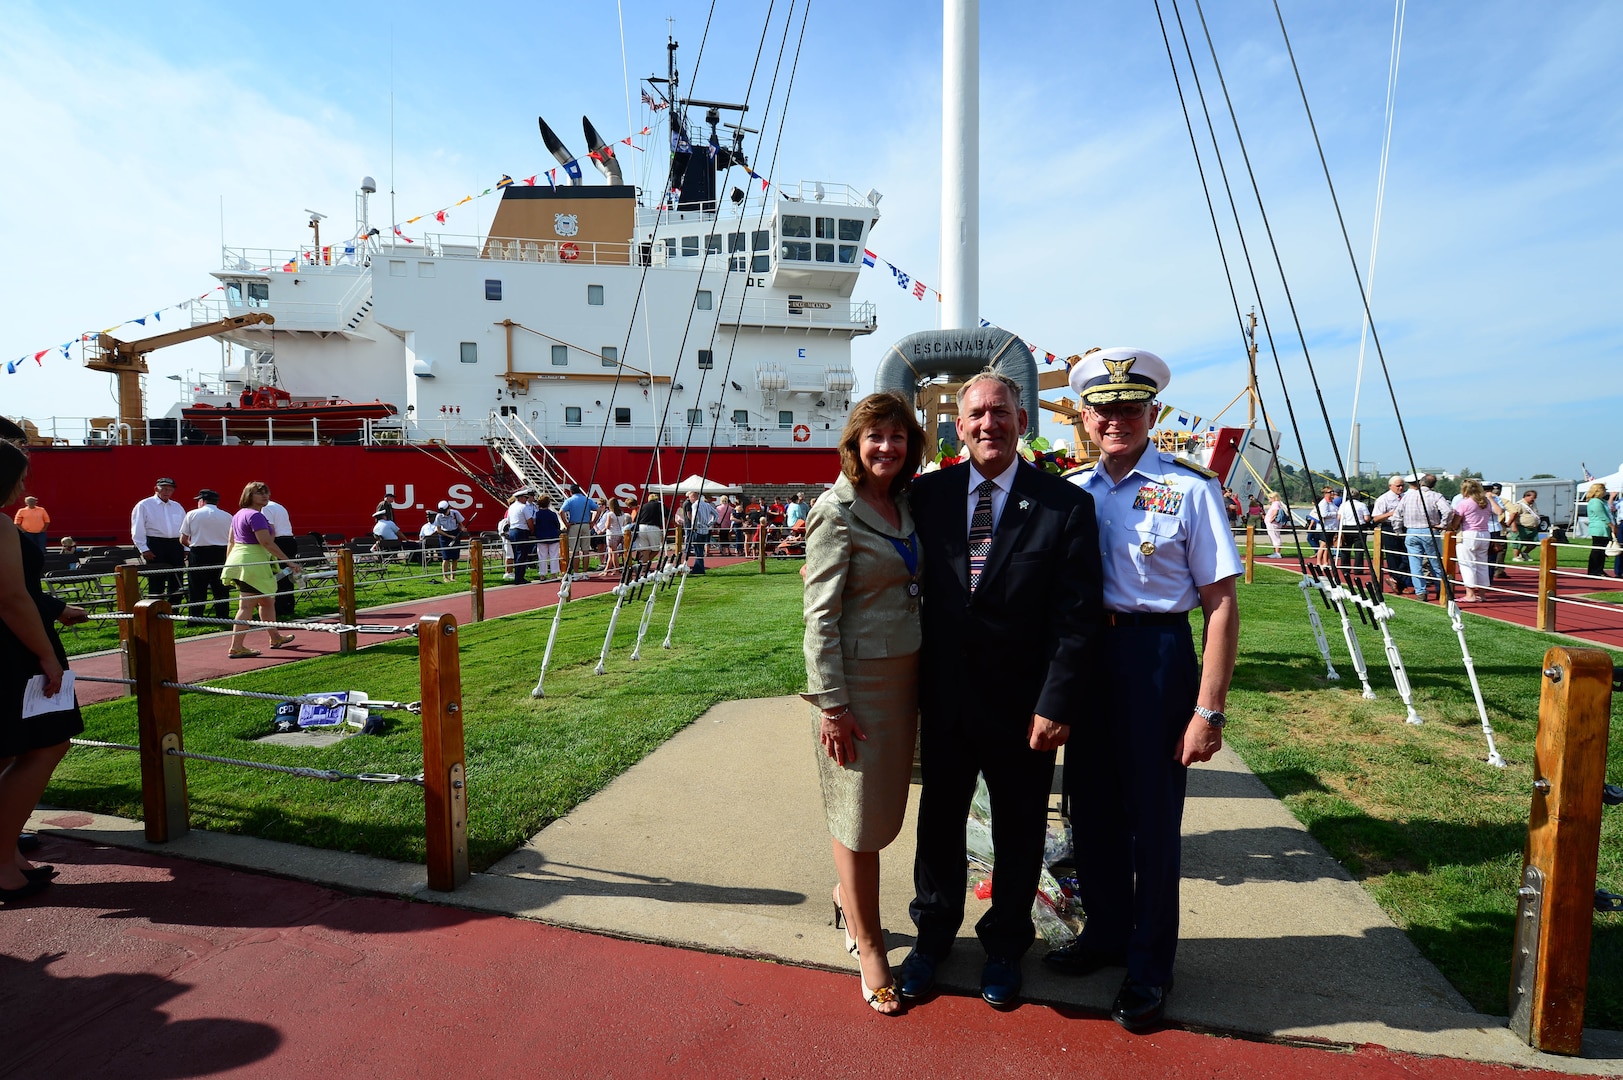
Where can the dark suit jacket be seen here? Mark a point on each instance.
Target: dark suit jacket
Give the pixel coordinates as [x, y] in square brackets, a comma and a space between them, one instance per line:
[1018, 644]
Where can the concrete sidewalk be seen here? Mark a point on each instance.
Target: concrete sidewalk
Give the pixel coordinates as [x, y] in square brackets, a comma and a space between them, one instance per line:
[716, 842]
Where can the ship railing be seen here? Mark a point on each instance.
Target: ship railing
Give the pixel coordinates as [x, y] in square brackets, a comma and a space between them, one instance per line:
[811, 314]
[825, 192]
[245, 260]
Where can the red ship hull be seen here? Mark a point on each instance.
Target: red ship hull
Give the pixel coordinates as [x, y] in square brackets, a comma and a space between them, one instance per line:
[89, 491]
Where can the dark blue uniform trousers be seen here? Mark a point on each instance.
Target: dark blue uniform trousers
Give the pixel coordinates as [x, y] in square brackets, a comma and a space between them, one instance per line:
[1018, 780]
[1127, 790]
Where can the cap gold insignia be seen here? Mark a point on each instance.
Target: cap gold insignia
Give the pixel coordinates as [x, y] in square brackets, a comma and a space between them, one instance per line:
[1146, 548]
[1119, 368]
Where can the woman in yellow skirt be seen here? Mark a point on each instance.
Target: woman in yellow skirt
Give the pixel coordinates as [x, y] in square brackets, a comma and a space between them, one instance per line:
[251, 558]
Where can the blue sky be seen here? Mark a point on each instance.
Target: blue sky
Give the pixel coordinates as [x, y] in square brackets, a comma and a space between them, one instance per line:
[1497, 292]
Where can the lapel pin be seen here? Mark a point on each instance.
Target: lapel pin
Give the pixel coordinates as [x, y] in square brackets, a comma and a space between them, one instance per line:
[1024, 505]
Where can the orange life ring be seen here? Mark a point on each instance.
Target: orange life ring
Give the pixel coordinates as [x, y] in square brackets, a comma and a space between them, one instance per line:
[568, 251]
[802, 433]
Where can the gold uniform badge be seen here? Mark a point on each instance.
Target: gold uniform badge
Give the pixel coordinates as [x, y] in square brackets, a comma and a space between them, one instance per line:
[1146, 548]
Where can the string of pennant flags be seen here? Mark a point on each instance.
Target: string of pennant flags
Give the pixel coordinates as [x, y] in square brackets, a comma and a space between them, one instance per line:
[88, 336]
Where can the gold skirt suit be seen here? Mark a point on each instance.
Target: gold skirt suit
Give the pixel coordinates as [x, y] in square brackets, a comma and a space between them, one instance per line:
[862, 646]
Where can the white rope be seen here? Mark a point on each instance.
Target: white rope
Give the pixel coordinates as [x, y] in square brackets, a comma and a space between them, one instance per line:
[1307, 585]
[1476, 689]
[1398, 12]
[620, 592]
[654, 580]
[552, 636]
[1337, 595]
[681, 585]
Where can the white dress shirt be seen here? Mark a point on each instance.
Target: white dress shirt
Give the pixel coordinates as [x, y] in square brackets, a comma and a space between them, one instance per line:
[207, 526]
[1000, 495]
[153, 516]
[276, 514]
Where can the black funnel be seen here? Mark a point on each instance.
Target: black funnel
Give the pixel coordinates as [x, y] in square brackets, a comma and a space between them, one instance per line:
[561, 152]
[606, 163]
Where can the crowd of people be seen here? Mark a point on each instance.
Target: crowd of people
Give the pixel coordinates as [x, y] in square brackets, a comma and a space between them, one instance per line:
[1000, 612]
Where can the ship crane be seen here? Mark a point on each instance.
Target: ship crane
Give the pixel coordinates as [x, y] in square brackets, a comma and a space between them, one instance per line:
[128, 360]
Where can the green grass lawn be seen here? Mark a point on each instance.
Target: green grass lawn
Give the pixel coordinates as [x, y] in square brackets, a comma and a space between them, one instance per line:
[529, 762]
[394, 583]
[1415, 813]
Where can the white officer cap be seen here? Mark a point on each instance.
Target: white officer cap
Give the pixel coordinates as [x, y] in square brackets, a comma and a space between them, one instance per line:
[1120, 374]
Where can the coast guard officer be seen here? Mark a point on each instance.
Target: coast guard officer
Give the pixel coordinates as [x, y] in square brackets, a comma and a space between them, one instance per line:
[155, 530]
[206, 533]
[1166, 547]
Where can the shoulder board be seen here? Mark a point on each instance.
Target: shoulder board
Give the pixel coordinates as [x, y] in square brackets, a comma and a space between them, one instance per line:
[1079, 470]
[1198, 470]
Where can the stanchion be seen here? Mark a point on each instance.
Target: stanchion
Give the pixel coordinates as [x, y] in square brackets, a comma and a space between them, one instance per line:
[1377, 560]
[1549, 971]
[760, 544]
[347, 641]
[1545, 617]
[157, 710]
[127, 591]
[445, 793]
[476, 578]
[1250, 553]
[1451, 552]
[563, 551]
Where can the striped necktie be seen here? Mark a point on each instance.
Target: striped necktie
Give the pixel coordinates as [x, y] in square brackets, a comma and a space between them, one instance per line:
[980, 532]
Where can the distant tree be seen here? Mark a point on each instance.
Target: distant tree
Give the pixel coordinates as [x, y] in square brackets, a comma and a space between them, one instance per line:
[1543, 476]
[1465, 472]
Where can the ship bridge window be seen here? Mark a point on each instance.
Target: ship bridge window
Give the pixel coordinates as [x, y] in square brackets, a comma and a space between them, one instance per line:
[704, 301]
[670, 247]
[796, 225]
[848, 254]
[690, 246]
[797, 251]
[493, 289]
[825, 252]
[560, 356]
[825, 228]
[259, 294]
[741, 418]
[735, 242]
[850, 228]
[622, 416]
[611, 355]
[233, 293]
[712, 244]
[470, 352]
[594, 295]
[571, 416]
[761, 244]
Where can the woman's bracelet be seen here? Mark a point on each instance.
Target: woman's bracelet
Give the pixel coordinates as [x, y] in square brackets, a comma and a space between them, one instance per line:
[837, 713]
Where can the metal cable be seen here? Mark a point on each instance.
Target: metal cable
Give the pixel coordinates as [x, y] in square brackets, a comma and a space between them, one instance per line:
[300, 770]
[98, 744]
[325, 700]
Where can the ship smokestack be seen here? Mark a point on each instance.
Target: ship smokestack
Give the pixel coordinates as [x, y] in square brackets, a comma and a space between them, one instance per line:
[606, 163]
[561, 152]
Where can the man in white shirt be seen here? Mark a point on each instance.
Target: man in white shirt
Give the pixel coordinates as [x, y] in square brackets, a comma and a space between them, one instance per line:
[385, 533]
[520, 521]
[206, 532]
[282, 529]
[155, 525]
[701, 516]
[1423, 512]
[1386, 514]
[1353, 522]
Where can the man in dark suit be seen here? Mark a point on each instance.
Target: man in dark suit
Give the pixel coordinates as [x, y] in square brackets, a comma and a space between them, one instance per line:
[1012, 596]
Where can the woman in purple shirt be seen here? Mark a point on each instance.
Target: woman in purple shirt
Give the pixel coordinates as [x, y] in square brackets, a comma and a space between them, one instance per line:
[251, 556]
[1472, 507]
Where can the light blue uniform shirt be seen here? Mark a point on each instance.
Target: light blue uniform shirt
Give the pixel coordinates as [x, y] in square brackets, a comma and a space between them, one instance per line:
[1163, 534]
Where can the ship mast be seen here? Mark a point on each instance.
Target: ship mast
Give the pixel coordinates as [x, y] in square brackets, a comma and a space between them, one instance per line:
[960, 165]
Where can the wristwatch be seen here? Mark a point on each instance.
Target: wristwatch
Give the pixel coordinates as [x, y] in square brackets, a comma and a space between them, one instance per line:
[1213, 717]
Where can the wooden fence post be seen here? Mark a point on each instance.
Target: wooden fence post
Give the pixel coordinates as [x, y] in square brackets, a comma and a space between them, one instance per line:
[1451, 549]
[157, 709]
[760, 543]
[1250, 553]
[1545, 616]
[563, 552]
[445, 793]
[476, 577]
[347, 641]
[1549, 967]
[127, 591]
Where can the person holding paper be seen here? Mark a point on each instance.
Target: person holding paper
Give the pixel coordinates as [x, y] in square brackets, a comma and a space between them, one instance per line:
[30, 651]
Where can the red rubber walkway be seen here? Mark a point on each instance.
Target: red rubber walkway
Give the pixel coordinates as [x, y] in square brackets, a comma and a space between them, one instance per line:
[134, 965]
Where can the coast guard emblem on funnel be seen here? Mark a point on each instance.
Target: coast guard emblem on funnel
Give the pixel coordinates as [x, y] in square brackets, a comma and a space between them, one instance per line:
[565, 224]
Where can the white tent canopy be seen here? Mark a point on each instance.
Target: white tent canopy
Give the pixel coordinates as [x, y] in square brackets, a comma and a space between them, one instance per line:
[695, 483]
[1613, 482]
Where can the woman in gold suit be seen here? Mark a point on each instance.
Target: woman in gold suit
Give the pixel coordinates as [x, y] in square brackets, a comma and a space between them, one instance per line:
[862, 644]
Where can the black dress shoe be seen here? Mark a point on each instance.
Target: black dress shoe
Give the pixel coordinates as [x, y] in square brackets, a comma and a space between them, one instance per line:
[1000, 983]
[1079, 959]
[1138, 1007]
[915, 979]
[42, 872]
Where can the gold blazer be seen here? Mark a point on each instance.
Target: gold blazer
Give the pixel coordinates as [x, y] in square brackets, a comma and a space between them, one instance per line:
[856, 602]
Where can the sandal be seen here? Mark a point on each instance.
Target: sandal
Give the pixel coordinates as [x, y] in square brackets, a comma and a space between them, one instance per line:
[283, 642]
[242, 654]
